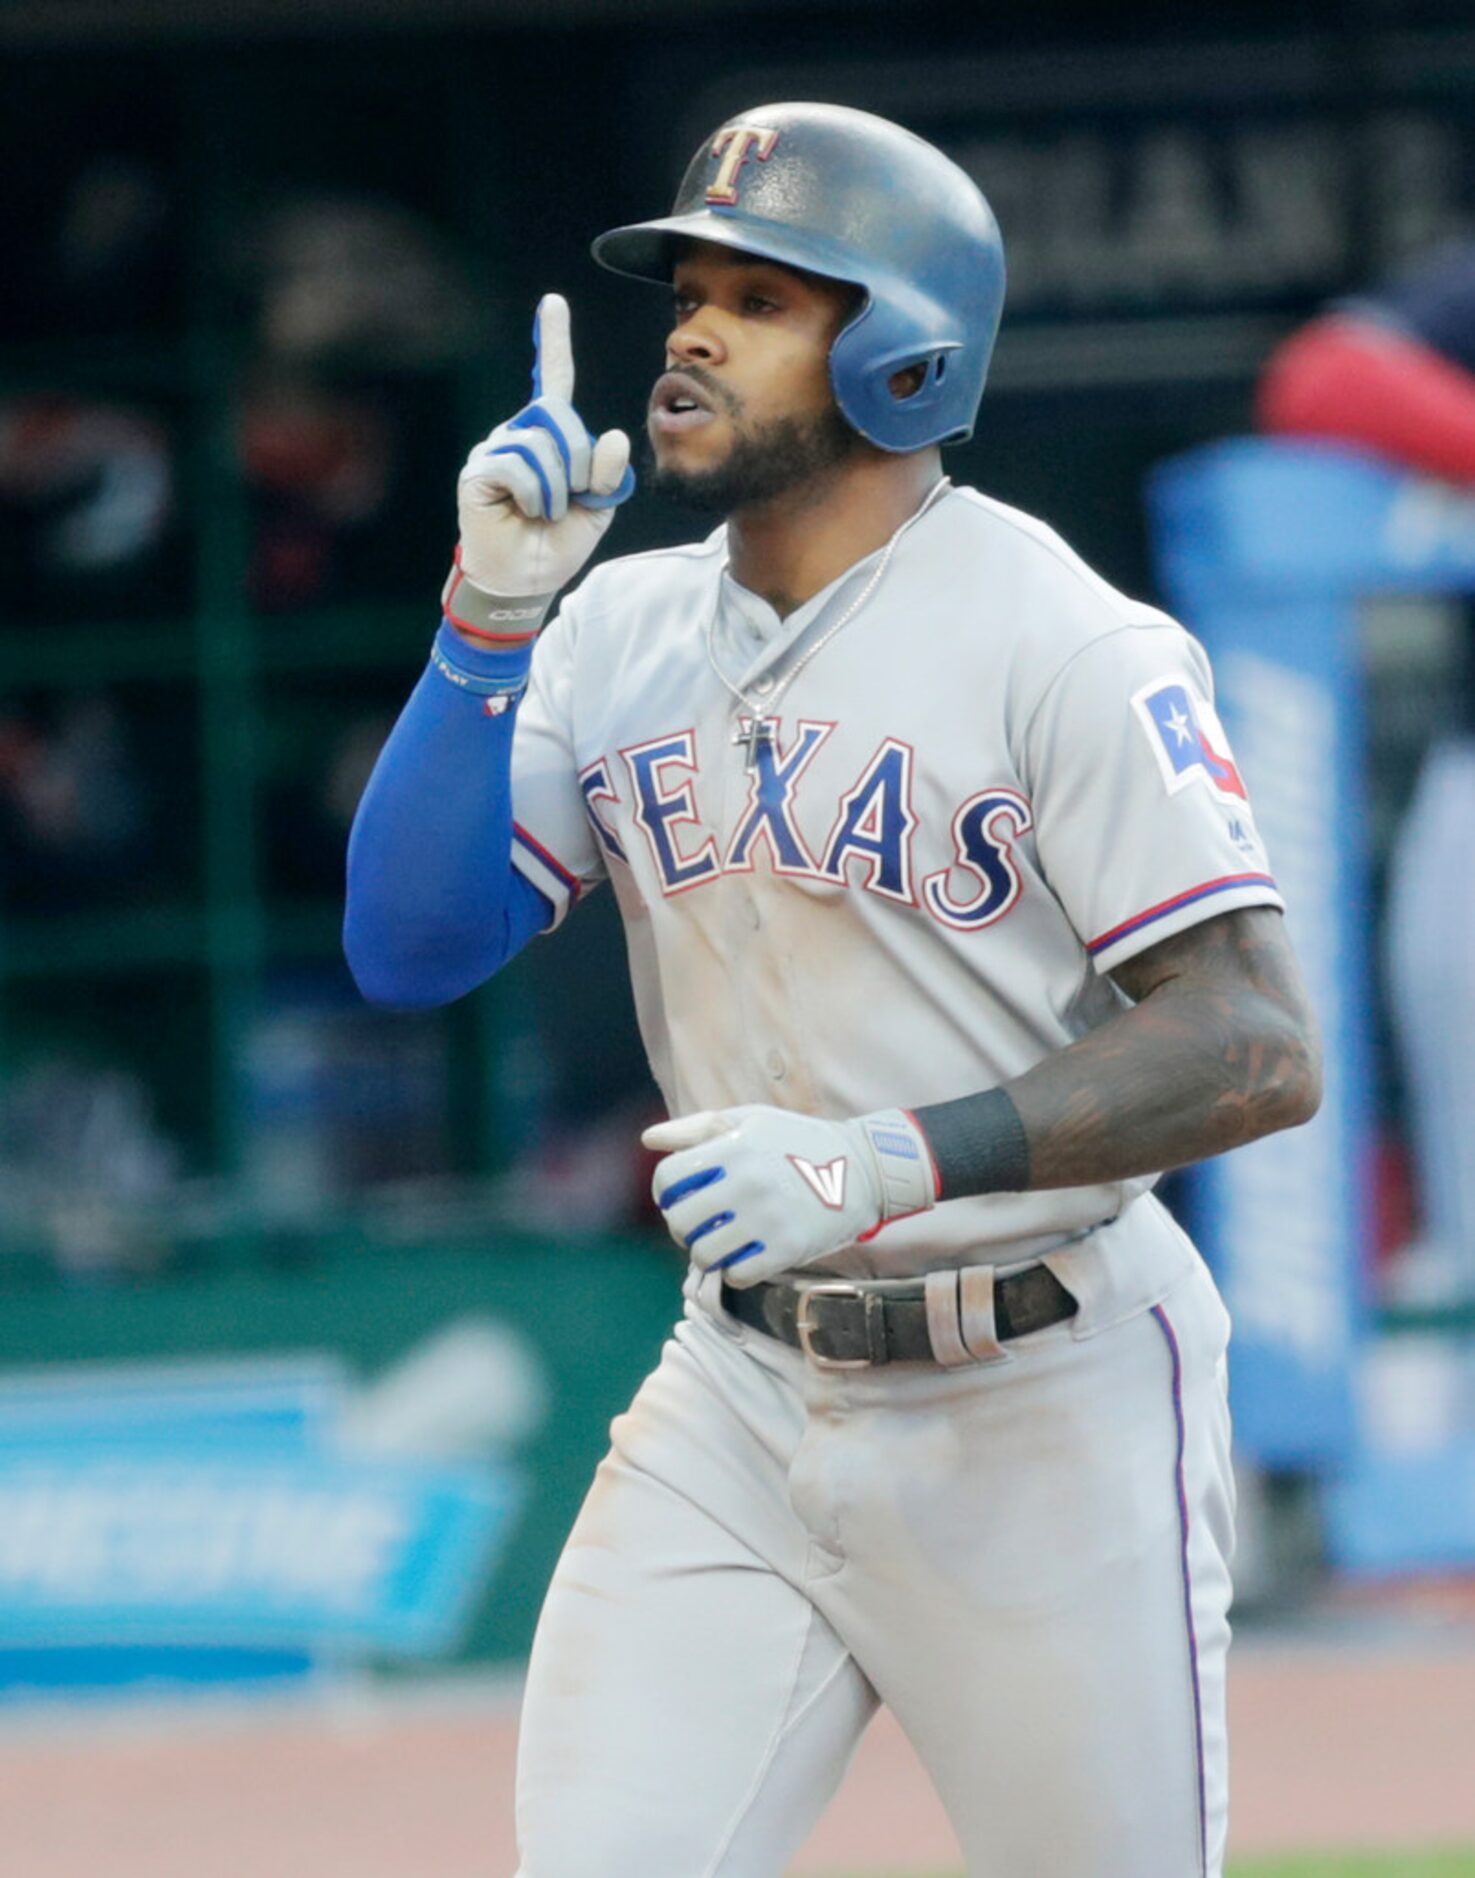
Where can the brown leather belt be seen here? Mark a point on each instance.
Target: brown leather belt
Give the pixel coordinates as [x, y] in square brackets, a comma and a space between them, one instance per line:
[841, 1325]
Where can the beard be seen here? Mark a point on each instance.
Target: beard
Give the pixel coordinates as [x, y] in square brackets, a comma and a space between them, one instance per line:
[762, 464]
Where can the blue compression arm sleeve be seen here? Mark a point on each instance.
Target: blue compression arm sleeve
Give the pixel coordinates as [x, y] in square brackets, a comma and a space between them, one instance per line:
[435, 905]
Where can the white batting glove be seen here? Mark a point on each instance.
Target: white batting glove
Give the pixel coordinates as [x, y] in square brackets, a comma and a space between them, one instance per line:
[752, 1192]
[536, 496]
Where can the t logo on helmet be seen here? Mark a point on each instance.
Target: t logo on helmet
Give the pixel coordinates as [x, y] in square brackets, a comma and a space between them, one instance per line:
[734, 145]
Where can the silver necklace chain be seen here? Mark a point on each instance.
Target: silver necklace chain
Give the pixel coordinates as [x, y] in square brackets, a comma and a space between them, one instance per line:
[759, 714]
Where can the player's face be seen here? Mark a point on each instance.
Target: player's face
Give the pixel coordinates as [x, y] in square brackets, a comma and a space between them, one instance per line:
[744, 412]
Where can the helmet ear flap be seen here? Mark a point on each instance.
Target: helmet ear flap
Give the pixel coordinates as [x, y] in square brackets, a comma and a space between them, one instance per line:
[921, 376]
[864, 378]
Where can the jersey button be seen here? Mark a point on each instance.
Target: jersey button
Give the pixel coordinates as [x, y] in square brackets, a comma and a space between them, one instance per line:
[764, 685]
[775, 1065]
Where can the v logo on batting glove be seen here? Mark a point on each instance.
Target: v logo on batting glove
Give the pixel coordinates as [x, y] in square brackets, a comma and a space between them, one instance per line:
[826, 1181]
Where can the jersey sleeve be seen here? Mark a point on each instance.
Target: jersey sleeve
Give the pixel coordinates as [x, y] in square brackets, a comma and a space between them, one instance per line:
[553, 842]
[1143, 824]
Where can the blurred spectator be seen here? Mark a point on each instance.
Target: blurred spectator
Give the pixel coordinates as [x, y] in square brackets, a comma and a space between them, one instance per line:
[1393, 370]
[338, 1098]
[319, 468]
[86, 499]
[357, 278]
[338, 285]
[111, 244]
[321, 764]
[72, 811]
[80, 1152]
[92, 238]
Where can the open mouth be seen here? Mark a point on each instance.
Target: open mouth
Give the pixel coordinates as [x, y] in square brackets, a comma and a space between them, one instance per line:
[679, 403]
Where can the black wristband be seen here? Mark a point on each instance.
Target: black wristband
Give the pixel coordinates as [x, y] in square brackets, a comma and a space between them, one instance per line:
[978, 1144]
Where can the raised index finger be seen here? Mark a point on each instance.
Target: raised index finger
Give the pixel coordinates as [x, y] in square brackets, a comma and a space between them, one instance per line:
[553, 349]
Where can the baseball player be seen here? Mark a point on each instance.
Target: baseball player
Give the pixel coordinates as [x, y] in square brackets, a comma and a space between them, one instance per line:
[949, 927]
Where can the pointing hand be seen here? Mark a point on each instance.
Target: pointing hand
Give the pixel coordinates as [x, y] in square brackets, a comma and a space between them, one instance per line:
[536, 496]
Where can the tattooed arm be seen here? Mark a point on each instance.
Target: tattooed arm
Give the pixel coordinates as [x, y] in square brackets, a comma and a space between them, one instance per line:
[1218, 1048]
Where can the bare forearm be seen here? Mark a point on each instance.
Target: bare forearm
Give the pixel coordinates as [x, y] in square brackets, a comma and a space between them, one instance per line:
[1163, 1084]
[1209, 1059]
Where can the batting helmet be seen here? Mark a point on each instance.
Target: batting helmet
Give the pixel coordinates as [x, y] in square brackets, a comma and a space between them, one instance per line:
[853, 198]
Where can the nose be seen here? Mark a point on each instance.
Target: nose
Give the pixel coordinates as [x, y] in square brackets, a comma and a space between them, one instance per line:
[696, 340]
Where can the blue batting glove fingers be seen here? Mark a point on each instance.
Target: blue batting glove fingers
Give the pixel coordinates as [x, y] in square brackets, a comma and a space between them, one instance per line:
[603, 478]
[523, 463]
[725, 1195]
[735, 1250]
[562, 423]
[622, 492]
[536, 497]
[546, 459]
[678, 1187]
[756, 1191]
[553, 348]
[688, 1190]
[750, 1273]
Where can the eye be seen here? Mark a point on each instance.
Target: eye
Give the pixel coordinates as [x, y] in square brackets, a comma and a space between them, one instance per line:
[759, 303]
[683, 305]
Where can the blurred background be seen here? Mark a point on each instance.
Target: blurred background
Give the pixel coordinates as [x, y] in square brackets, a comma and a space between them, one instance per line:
[312, 1317]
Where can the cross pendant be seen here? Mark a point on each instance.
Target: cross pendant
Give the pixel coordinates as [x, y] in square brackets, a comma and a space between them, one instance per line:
[751, 731]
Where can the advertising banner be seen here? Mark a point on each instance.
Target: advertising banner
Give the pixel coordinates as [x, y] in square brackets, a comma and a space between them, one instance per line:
[250, 1474]
[229, 1507]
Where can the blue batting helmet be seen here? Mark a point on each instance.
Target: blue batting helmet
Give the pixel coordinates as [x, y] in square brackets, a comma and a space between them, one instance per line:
[853, 198]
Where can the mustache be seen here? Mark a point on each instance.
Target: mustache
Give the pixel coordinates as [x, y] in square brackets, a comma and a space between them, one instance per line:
[714, 389]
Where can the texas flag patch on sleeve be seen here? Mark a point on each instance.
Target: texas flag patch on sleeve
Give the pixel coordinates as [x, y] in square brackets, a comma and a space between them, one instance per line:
[1186, 737]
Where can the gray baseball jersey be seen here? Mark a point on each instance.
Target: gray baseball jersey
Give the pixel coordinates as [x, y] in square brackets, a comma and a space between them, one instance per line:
[990, 784]
[997, 781]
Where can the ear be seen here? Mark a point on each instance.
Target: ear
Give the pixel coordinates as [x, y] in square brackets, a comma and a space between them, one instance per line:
[905, 383]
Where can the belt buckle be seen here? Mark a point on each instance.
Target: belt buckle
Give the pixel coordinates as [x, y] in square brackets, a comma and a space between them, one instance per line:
[805, 1325]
